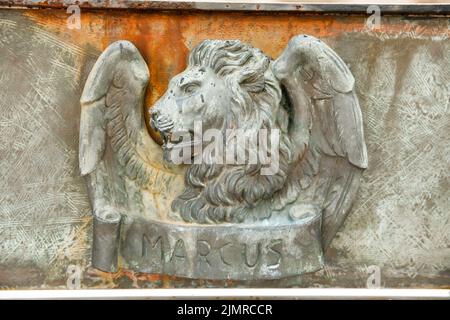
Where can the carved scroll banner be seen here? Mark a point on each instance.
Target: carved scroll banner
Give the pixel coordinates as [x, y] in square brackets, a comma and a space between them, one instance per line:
[259, 251]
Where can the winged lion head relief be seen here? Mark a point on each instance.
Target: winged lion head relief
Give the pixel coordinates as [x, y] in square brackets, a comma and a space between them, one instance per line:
[306, 96]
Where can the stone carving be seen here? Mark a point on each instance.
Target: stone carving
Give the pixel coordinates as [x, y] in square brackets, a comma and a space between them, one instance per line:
[192, 210]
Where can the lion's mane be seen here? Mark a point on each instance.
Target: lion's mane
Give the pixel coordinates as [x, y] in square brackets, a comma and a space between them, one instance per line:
[231, 192]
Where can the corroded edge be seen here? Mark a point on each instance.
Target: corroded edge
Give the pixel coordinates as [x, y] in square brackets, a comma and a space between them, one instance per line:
[417, 9]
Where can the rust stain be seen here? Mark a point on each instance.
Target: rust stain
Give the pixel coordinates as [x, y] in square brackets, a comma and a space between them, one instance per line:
[103, 279]
[102, 4]
[165, 38]
[139, 280]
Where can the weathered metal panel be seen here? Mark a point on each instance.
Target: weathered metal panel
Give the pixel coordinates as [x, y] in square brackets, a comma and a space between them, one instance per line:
[399, 223]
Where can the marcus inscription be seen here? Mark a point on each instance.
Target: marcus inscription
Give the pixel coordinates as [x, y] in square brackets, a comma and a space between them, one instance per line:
[213, 253]
[222, 251]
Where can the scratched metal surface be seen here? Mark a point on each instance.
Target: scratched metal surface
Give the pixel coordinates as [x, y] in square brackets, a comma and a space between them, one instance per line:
[400, 221]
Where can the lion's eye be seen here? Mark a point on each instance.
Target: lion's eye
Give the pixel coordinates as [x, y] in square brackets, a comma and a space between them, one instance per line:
[190, 88]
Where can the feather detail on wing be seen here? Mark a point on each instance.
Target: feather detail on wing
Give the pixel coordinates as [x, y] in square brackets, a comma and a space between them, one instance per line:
[325, 129]
[327, 117]
[112, 110]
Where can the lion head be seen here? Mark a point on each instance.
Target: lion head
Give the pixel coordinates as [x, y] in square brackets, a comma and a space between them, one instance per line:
[228, 85]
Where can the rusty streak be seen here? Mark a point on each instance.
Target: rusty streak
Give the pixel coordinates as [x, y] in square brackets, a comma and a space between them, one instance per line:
[405, 9]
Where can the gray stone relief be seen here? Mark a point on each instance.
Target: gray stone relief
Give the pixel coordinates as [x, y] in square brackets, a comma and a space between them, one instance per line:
[289, 211]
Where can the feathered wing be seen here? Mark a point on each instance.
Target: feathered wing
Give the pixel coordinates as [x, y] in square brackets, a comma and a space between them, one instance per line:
[112, 122]
[326, 126]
